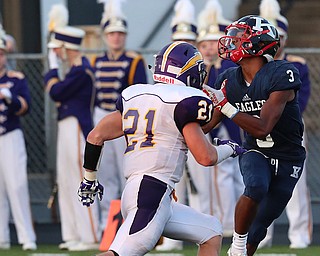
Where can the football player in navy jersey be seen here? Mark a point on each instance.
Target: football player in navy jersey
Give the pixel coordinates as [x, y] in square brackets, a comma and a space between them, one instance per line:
[160, 122]
[261, 97]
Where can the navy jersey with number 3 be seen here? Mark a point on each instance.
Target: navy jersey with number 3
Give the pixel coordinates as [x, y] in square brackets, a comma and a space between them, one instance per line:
[286, 136]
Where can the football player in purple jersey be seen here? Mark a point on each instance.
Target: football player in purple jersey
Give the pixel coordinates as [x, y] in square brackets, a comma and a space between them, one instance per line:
[160, 122]
[261, 97]
[117, 69]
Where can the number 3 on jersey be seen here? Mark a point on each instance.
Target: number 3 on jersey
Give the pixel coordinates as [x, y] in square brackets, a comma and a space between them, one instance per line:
[134, 115]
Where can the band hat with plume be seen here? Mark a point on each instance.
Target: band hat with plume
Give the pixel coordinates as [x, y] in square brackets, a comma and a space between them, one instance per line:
[270, 10]
[69, 37]
[211, 23]
[58, 17]
[3, 44]
[183, 23]
[113, 19]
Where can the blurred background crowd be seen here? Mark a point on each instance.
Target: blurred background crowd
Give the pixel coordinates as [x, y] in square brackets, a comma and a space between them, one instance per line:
[145, 26]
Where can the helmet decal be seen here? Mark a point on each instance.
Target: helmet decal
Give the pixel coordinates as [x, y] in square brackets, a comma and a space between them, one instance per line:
[179, 63]
[166, 54]
[192, 62]
[261, 24]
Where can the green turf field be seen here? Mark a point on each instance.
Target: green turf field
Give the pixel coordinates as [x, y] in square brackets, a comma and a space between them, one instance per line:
[52, 250]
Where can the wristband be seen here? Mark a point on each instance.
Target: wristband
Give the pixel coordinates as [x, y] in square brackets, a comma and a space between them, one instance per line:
[91, 156]
[229, 110]
[90, 176]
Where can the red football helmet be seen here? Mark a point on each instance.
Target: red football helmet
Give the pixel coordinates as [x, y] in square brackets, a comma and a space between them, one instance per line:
[247, 37]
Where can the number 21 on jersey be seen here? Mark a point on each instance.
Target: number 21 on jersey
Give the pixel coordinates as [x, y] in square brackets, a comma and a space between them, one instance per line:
[149, 118]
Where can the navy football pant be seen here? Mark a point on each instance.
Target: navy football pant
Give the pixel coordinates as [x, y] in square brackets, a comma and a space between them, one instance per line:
[269, 182]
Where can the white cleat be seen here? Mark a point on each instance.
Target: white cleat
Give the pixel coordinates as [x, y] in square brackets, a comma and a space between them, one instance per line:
[5, 246]
[84, 247]
[66, 245]
[298, 246]
[229, 253]
[170, 245]
[30, 246]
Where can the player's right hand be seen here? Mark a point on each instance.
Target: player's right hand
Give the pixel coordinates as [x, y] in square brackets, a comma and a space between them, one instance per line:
[88, 190]
[237, 149]
[218, 97]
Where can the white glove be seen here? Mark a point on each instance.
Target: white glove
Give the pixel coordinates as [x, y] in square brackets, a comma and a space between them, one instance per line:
[89, 188]
[53, 59]
[219, 99]
[217, 96]
[7, 95]
[237, 150]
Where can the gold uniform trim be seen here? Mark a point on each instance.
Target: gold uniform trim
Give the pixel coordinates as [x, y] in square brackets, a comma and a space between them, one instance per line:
[112, 64]
[111, 95]
[133, 70]
[295, 58]
[117, 74]
[51, 82]
[16, 74]
[24, 106]
[114, 85]
[104, 105]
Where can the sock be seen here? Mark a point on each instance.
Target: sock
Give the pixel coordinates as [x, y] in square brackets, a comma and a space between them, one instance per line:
[239, 242]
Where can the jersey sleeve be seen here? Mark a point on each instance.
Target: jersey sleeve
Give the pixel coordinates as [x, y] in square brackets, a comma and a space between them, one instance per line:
[285, 77]
[119, 104]
[197, 109]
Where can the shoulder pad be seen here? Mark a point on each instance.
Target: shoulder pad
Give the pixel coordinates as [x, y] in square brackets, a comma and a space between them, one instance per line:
[15, 74]
[132, 54]
[295, 58]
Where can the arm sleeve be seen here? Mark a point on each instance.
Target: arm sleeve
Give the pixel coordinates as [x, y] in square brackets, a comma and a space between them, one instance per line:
[286, 77]
[137, 73]
[63, 90]
[193, 109]
[20, 102]
[119, 104]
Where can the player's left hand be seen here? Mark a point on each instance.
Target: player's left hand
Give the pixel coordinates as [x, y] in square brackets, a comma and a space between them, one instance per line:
[237, 149]
[88, 190]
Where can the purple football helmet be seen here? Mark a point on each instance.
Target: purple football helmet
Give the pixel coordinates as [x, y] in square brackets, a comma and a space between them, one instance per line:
[179, 63]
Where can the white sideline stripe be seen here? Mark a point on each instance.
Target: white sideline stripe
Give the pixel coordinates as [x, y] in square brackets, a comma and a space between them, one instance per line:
[275, 254]
[164, 254]
[49, 254]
